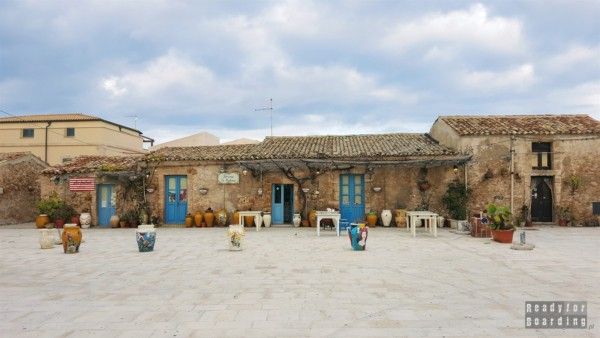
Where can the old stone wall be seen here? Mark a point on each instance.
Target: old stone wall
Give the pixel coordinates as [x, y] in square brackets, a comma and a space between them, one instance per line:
[21, 191]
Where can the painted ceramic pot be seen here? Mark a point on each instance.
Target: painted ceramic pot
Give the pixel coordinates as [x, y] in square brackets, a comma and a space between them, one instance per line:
[46, 239]
[145, 236]
[312, 218]
[358, 236]
[296, 220]
[372, 219]
[249, 221]
[198, 219]
[85, 220]
[71, 238]
[400, 217]
[221, 217]
[235, 233]
[209, 218]
[41, 221]
[267, 220]
[386, 217]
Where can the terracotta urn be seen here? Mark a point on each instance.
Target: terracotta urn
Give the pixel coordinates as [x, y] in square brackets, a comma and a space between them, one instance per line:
[249, 221]
[41, 221]
[75, 220]
[267, 220]
[145, 236]
[235, 217]
[59, 223]
[221, 217]
[503, 236]
[209, 217]
[386, 217]
[372, 219]
[46, 239]
[85, 220]
[198, 219]
[189, 220]
[296, 220]
[312, 218]
[400, 217]
[71, 238]
[114, 221]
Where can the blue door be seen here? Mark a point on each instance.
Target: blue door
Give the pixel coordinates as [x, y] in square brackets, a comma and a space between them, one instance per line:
[175, 199]
[282, 203]
[107, 205]
[352, 197]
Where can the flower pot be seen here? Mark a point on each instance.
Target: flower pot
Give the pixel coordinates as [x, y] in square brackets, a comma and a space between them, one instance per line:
[296, 220]
[312, 218]
[59, 223]
[46, 239]
[371, 220]
[400, 217]
[249, 221]
[267, 220]
[123, 224]
[198, 219]
[221, 218]
[188, 221]
[503, 236]
[386, 217]
[235, 234]
[209, 218]
[71, 238]
[305, 223]
[145, 236]
[75, 220]
[563, 222]
[258, 221]
[358, 236]
[235, 217]
[85, 220]
[114, 221]
[41, 221]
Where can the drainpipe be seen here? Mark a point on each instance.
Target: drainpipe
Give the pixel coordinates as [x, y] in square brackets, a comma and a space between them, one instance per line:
[466, 189]
[512, 174]
[46, 143]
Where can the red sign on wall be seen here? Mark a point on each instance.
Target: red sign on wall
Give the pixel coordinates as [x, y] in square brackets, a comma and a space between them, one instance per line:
[81, 184]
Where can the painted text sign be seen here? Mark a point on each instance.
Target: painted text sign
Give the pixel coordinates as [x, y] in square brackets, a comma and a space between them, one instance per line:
[81, 184]
[229, 178]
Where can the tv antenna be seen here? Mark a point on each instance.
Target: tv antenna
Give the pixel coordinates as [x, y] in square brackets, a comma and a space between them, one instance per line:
[270, 108]
[135, 118]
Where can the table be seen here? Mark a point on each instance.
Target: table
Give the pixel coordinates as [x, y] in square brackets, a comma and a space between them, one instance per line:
[414, 216]
[250, 213]
[333, 215]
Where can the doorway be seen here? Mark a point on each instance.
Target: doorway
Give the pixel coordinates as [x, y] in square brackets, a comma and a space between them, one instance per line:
[107, 203]
[282, 203]
[175, 199]
[541, 198]
[352, 197]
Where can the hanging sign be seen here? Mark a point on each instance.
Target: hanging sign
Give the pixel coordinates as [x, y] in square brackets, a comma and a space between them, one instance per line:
[229, 178]
[81, 184]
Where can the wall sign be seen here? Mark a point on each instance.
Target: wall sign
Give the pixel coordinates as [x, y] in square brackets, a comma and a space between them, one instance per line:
[229, 178]
[81, 184]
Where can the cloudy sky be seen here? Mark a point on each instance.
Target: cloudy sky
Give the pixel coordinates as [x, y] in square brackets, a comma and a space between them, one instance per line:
[330, 67]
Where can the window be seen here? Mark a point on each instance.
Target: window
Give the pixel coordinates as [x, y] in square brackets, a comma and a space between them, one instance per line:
[542, 155]
[70, 132]
[28, 132]
[66, 159]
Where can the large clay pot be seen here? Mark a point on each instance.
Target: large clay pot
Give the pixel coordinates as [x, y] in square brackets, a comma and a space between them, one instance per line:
[372, 219]
[267, 220]
[85, 220]
[145, 236]
[198, 219]
[46, 239]
[71, 238]
[221, 218]
[249, 221]
[123, 224]
[59, 223]
[75, 220]
[312, 218]
[114, 221]
[188, 221]
[235, 218]
[400, 218]
[209, 218]
[386, 217]
[41, 221]
[503, 236]
[258, 221]
[296, 220]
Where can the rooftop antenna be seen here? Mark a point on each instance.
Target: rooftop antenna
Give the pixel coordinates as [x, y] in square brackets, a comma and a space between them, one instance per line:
[270, 108]
[135, 118]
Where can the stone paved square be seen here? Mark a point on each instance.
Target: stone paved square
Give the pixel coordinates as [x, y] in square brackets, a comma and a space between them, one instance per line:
[290, 283]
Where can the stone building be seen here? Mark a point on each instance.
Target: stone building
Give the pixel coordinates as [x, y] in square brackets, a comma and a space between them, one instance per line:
[19, 187]
[547, 163]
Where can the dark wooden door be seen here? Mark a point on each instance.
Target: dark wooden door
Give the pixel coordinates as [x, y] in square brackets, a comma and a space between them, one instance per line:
[541, 199]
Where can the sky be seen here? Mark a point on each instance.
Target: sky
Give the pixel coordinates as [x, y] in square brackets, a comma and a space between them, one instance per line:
[331, 67]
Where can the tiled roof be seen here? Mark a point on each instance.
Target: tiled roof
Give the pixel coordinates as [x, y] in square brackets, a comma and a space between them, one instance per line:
[312, 147]
[89, 164]
[13, 156]
[523, 124]
[49, 117]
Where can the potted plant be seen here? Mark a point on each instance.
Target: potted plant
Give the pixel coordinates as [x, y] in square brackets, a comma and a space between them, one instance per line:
[46, 208]
[63, 213]
[499, 221]
[564, 216]
[455, 200]
[124, 220]
[133, 218]
[372, 218]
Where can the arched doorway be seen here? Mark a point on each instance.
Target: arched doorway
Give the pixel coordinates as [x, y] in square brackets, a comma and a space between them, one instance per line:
[541, 199]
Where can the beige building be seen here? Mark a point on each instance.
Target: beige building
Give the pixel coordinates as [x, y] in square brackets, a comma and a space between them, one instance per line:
[199, 139]
[57, 138]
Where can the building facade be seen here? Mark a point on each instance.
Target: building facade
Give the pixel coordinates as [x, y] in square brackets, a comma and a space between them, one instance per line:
[57, 138]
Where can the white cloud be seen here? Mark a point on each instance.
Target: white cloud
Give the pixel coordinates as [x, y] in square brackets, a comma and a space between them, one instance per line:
[473, 27]
[584, 98]
[517, 78]
[575, 56]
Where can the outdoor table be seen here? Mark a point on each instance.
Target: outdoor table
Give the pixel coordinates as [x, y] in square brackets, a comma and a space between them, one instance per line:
[333, 215]
[249, 213]
[428, 216]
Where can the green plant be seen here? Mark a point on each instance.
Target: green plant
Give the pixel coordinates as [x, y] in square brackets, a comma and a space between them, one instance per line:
[372, 213]
[64, 212]
[564, 213]
[49, 204]
[499, 217]
[574, 182]
[455, 199]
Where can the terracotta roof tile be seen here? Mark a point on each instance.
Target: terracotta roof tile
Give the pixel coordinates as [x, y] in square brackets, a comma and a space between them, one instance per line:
[13, 156]
[88, 164]
[49, 117]
[523, 124]
[231, 152]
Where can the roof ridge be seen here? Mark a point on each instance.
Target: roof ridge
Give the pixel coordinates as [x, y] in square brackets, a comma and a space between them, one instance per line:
[515, 115]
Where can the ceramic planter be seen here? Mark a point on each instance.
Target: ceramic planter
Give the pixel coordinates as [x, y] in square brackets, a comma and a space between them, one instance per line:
[198, 219]
[312, 218]
[386, 217]
[400, 218]
[188, 221]
[145, 236]
[249, 221]
[235, 218]
[41, 221]
[209, 218]
[75, 220]
[46, 239]
[71, 238]
[296, 220]
[221, 218]
[267, 220]
[371, 219]
[235, 234]
[59, 223]
[358, 236]
[258, 221]
[85, 220]
[503, 236]
[563, 222]
[114, 221]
